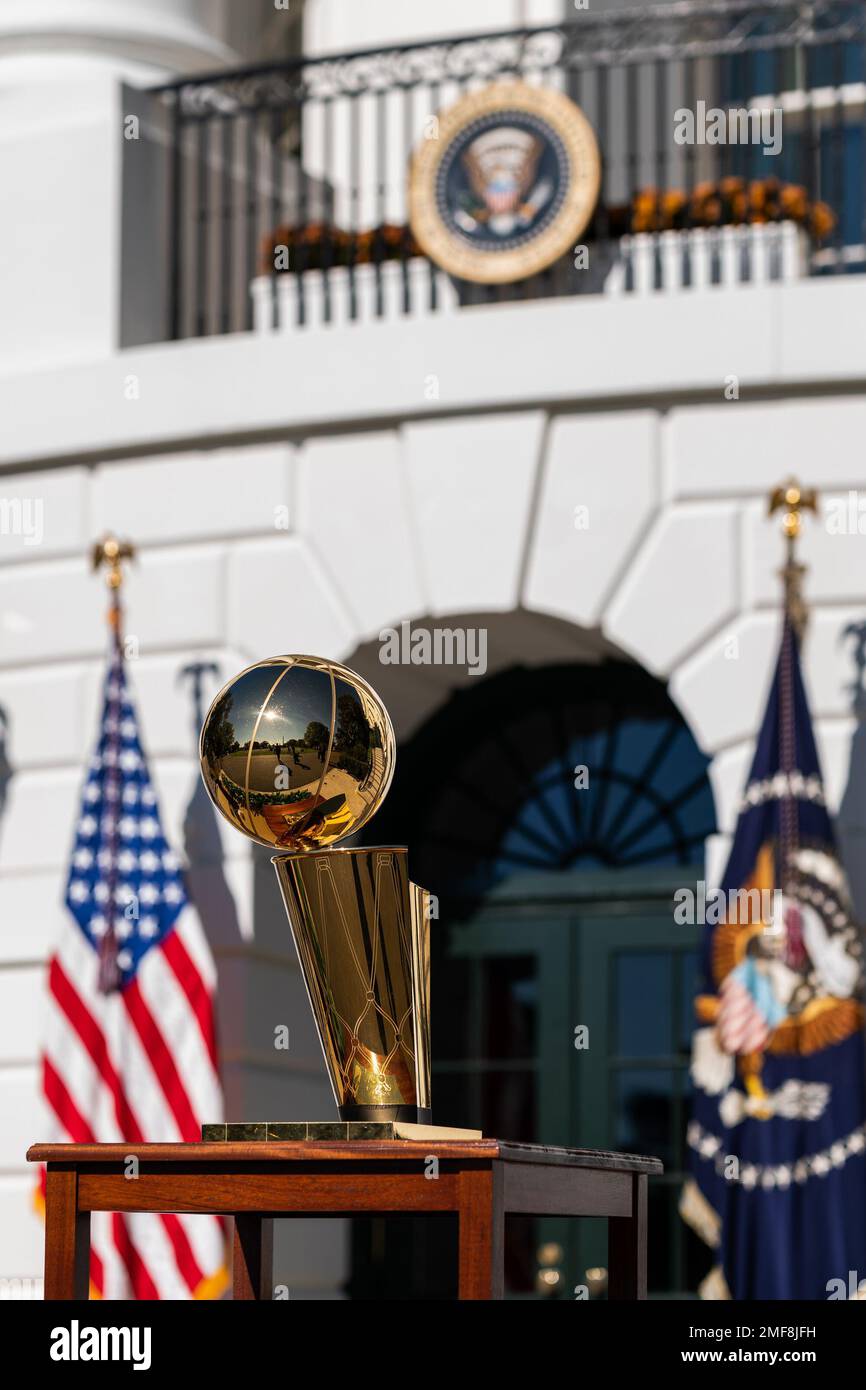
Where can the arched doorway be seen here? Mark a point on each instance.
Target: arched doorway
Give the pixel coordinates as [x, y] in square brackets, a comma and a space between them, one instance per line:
[553, 810]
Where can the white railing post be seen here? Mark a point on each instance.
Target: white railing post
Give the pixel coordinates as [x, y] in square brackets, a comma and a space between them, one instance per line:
[339, 294]
[262, 295]
[313, 289]
[392, 290]
[791, 252]
[418, 270]
[672, 260]
[760, 254]
[365, 293]
[699, 247]
[730, 256]
[644, 262]
[616, 281]
[286, 301]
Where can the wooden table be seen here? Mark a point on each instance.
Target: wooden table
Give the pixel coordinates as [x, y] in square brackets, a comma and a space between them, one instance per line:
[482, 1181]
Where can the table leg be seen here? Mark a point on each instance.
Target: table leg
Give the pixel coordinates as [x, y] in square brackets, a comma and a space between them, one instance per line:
[67, 1237]
[627, 1246]
[481, 1235]
[253, 1257]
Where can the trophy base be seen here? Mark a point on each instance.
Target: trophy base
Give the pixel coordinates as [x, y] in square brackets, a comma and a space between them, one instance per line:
[407, 1114]
[326, 1131]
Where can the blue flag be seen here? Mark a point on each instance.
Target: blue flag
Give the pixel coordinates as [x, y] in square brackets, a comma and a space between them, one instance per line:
[777, 1136]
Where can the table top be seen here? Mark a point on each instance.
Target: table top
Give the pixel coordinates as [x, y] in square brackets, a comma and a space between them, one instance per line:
[345, 1151]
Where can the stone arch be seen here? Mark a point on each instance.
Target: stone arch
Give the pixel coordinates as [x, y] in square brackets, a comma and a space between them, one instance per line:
[534, 661]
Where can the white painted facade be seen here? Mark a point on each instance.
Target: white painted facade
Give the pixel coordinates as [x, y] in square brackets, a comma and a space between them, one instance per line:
[428, 469]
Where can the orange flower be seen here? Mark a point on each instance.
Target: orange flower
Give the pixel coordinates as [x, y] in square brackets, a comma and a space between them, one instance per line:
[793, 202]
[823, 220]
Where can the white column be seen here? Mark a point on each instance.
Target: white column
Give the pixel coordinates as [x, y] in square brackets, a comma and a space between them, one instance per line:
[63, 64]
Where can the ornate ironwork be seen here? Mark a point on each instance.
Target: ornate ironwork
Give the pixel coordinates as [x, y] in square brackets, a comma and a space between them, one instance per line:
[680, 30]
[284, 153]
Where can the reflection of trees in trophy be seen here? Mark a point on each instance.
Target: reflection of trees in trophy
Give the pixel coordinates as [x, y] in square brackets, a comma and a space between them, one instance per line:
[220, 733]
[317, 737]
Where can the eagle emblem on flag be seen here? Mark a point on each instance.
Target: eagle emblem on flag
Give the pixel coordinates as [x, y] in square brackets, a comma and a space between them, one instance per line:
[778, 1128]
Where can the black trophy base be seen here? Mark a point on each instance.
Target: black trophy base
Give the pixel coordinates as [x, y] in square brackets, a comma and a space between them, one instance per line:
[405, 1114]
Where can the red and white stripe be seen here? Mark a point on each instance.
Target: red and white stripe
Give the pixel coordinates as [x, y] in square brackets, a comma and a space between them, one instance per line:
[742, 1027]
[139, 1065]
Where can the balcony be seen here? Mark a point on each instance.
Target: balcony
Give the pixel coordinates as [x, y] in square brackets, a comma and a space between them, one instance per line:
[286, 186]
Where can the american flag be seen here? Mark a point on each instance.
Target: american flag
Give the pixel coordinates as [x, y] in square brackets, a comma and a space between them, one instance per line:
[130, 1051]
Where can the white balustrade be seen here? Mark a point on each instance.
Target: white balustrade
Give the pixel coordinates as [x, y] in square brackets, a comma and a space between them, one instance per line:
[706, 259]
[341, 297]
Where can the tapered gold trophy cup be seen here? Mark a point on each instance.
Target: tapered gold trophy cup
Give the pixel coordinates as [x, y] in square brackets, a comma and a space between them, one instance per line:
[298, 753]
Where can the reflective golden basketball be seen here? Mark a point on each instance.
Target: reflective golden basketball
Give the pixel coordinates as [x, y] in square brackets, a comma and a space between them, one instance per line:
[297, 752]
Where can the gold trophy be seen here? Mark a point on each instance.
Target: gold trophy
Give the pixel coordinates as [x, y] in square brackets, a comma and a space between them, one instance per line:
[298, 753]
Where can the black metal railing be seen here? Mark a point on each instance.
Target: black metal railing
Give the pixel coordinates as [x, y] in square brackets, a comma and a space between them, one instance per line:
[312, 155]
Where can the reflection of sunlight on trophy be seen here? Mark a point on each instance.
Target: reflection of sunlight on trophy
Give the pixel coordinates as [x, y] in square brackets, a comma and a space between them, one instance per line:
[297, 753]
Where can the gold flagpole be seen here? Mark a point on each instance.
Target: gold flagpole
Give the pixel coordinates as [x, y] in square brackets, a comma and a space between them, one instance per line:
[793, 501]
[111, 553]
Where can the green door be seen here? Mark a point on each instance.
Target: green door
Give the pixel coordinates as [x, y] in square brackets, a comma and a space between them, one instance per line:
[563, 1016]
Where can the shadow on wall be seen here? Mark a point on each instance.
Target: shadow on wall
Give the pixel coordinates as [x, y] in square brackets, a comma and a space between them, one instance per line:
[6, 769]
[213, 899]
[202, 843]
[851, 822]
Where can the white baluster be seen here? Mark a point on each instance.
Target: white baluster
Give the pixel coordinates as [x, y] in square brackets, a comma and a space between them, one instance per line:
[774, 237]
[791, 251]
[365, 293]
[447, 298]
[644, 262]
[760, 254]
[616, 282]
[699, 248]
[262, 295]
[418, 270]
[672, 260]
[287, 299]
[730, 256]
[392, 290]
[336, 281]
[314, 299]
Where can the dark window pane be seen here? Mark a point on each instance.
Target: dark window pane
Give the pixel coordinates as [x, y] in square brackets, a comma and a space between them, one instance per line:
[508, 1105]
[643, 1112]
[688, 989]
[454, 1022]
[643, 1004]
[511, 1007]
[454, 1099]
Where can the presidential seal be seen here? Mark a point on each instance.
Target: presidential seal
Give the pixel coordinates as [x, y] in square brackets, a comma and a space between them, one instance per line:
[505, 184]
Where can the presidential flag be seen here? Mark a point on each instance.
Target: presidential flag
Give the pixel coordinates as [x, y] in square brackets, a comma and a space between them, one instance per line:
[130, 1052]
[777, 1136]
